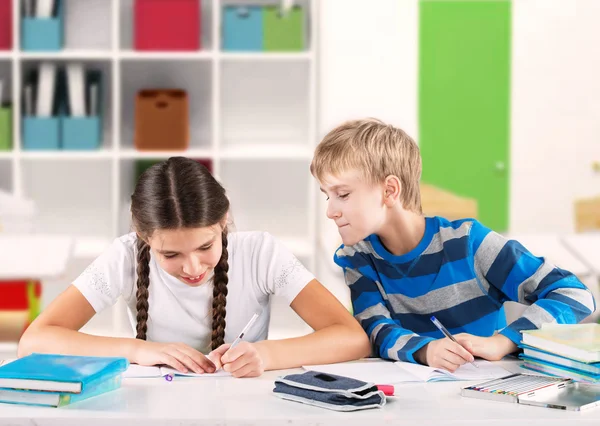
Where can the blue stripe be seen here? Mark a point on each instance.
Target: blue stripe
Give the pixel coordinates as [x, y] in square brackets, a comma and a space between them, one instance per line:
[568, 281]
[503, 264]
[457, 316]
[521, 271]
[452, 250]
[580, 310]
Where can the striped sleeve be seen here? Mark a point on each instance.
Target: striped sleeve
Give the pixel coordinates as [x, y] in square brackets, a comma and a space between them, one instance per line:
[508, 271]
[388, 338]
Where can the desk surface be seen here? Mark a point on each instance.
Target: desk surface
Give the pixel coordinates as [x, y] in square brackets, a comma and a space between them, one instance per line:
[224, 400]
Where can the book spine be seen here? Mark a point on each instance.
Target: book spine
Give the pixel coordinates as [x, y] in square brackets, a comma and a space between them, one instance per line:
[102, 388]
[116, 368]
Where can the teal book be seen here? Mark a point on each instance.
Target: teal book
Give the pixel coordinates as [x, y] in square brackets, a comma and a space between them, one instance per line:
[558, 370]
[57, 399]
[59, 373]
[535, 353]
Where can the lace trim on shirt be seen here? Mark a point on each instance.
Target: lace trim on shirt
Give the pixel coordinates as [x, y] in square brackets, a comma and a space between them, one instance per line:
[96, 279]
[290, 272]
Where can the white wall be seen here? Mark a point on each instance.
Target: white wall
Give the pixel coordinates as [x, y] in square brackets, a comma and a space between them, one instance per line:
[369, 67]
[555, 111]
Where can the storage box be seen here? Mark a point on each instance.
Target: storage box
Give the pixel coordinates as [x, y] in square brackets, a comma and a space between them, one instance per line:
[162, 120]
[43, 34]
[167, 25]
[242, 28]
[81, 133]
[5, 128]
[284, 32]
[41, 133]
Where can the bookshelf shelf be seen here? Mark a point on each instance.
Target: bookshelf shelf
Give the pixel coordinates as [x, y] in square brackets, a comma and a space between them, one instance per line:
[253, 115]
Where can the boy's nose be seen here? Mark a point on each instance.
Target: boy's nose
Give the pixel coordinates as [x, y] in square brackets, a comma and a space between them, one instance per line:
[332, 213]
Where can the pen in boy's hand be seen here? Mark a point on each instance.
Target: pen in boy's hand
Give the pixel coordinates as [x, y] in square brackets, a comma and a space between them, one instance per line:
[446, 333]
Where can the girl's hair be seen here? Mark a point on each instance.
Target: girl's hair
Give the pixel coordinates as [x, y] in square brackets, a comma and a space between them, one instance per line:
[179, 193]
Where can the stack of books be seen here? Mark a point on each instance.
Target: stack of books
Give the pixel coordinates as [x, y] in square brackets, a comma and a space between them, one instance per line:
[58, 380]
[571, 351]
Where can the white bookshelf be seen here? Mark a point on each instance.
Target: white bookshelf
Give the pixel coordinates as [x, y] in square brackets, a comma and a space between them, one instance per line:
[252, 114]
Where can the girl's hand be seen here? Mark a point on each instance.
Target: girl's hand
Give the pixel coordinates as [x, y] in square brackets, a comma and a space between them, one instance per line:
[180, 356]
[245, 360]
[492, 348]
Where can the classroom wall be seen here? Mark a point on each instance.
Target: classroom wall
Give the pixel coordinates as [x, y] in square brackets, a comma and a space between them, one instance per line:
[369, 67]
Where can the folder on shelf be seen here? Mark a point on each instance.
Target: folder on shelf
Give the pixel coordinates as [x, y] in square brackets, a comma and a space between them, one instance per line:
[76, 89]
[46, 89]
[45, 8]
[82, 124]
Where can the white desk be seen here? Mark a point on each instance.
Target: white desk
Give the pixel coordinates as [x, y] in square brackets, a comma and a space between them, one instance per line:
[220, 401]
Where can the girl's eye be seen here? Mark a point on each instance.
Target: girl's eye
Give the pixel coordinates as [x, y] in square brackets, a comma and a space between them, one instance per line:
[169, 256]
[205, 248]
[344, 196]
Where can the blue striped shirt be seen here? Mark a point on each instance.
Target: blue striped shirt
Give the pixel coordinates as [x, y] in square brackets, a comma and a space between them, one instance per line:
[461, 272]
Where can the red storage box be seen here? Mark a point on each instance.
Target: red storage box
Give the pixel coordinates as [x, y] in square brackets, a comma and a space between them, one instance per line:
[167, 25]
[5, 24]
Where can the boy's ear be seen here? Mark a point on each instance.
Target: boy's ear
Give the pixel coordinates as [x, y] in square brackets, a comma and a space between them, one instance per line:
[392, 188]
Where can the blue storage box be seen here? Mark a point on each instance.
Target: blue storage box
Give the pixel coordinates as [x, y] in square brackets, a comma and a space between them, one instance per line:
[43, 34]
[81, 133]
[242, 28]
[41, 133]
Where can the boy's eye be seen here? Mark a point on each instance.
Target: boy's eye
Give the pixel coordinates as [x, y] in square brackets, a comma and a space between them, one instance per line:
[344, 196]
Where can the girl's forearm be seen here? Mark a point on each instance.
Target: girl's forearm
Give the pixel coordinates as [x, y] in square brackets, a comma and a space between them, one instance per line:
[60, 340]
[336, 343]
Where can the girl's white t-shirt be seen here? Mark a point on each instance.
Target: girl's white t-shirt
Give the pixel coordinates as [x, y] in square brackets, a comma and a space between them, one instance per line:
[259, 266]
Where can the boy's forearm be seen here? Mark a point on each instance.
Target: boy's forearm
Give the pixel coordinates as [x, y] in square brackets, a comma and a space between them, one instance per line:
[60, 340]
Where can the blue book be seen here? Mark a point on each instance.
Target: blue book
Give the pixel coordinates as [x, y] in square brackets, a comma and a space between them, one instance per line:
[535, 353]
[57, 399]
[59, 373]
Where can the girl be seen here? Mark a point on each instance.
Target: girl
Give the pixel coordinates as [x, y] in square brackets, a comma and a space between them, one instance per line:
[191, 287]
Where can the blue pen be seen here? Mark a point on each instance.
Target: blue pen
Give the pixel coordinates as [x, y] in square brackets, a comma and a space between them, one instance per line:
[443, 329]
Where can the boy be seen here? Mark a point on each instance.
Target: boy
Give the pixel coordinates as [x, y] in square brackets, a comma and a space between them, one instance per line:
[402, 267]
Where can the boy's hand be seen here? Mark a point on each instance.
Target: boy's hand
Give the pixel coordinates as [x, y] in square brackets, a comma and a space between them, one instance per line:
[492, 348]
[245, 360]
[444, 353]
[180, 356]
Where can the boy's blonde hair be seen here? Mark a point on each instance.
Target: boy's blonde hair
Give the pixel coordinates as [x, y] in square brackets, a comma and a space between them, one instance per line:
[377, 150]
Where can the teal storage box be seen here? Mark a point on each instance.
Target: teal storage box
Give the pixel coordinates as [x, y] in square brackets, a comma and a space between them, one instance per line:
[41, 133]
[284, 32]
[242, 28]
[81, 133]
[5, 128]
[43, 34]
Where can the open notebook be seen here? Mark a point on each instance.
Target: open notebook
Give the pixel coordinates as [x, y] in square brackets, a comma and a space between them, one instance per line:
[141, 371]
[387, 372]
